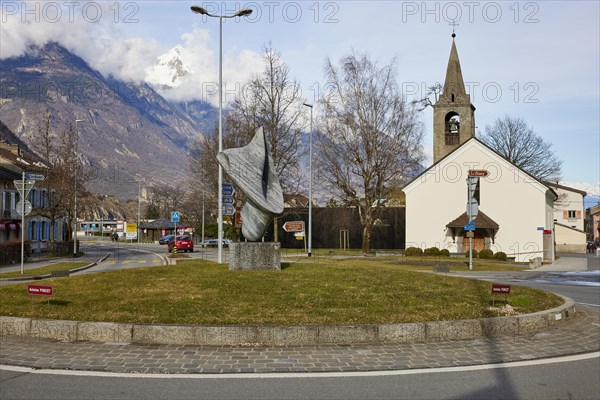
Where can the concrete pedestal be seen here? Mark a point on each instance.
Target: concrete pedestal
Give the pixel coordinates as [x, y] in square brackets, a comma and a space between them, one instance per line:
[254, 255]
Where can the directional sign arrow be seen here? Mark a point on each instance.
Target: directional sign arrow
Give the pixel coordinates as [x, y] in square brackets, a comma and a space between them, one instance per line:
[293, 226]
[34, 177]
[228, 189]
[228, 210]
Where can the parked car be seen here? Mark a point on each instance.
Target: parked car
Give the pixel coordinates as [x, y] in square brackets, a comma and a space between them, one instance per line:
[165, 239]
[184, 243]
[215, 243]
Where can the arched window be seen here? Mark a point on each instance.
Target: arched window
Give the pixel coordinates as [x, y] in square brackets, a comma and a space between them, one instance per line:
[452, 128]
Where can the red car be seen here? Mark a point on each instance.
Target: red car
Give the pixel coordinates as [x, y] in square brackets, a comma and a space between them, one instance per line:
[184, 243]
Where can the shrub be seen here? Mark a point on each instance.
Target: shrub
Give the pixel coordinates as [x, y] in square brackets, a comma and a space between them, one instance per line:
[486, 254]
[445, 253]
[500, 256]
[413, 251]
[474, 253]
[432, 251]
[10, 252]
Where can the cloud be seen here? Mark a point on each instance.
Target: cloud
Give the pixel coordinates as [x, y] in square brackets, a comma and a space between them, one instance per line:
[84, 28]
[189, 71]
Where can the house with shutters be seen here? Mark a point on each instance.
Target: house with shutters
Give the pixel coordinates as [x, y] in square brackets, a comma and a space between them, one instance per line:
[515, 211]
[569, 217]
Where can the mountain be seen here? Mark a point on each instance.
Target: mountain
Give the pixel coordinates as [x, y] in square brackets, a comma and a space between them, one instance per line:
[129, 132]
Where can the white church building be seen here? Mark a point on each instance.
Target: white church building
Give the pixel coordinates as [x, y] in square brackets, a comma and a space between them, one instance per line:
[515, 210]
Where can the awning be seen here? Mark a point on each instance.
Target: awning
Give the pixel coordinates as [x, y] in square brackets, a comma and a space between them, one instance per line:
[481, 221]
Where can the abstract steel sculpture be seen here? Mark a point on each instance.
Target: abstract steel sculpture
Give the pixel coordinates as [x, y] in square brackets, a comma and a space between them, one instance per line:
[252, 169]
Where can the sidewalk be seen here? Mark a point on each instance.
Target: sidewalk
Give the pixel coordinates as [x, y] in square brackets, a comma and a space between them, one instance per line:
[579, 335]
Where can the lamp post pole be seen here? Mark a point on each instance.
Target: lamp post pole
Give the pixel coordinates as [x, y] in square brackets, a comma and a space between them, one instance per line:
[75, 194]
[241, 13]
[310, 177]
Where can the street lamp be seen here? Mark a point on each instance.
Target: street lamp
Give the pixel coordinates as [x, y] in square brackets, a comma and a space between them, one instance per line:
[241, 13]
[310, 176]
[75, 196]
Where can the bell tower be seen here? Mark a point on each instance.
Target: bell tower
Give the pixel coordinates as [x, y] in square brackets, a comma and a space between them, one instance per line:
[453, 113]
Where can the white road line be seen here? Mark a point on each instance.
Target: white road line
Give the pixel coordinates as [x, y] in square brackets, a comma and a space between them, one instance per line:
[587, 304]
[556, 360]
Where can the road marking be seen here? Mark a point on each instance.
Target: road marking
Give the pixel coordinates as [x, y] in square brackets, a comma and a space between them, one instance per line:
[288, 375]
[587, 304]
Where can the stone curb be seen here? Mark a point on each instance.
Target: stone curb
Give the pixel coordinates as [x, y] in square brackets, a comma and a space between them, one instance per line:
[280, 335]
[47, 276]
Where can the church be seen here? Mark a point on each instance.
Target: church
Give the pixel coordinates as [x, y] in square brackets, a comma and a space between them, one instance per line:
[510, 211]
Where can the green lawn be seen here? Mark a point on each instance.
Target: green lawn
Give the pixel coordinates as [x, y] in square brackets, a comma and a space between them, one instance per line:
[202, 292]
[64, 266]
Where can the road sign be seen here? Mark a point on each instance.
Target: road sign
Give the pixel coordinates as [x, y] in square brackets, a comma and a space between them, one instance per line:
[228, 210]
[478, 173]
[227, 200]
[24, 187]
[39, 290]
[470, 226]
[228, 189]
[472, 209]
[34, 177]
[175, 216]
[294, 226]
[27, 207]
[500, 289]
[131, 227]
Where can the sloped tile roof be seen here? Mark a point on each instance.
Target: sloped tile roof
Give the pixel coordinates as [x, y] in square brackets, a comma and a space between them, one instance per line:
[481, 221]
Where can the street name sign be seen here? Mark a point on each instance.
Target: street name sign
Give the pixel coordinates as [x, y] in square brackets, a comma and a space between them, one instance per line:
[470, 227]
[478, 173]
[39, 290]
[34, 177]
[500, 289]
[227, 200]
[294, 226]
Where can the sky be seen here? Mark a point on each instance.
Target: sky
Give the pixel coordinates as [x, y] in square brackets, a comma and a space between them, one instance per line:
[539, 60]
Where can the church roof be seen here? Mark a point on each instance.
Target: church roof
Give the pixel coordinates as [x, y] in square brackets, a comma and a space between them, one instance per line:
[454, 82]
[481, 221]
[475, 141]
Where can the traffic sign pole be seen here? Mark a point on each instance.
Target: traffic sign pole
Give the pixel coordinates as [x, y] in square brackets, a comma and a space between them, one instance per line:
[22, 221]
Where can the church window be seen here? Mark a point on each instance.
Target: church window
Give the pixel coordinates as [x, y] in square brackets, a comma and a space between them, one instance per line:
[452, 97]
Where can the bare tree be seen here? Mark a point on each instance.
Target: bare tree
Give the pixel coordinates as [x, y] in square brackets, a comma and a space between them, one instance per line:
[513, 139]
[271, 100]
[371, 141]
[425, 102]
[64, 173]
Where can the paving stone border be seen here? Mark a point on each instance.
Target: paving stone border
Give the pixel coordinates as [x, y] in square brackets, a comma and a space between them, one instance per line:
[280, 335]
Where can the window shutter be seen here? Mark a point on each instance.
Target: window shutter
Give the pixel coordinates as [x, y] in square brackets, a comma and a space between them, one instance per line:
[579, 214]
[565, 214]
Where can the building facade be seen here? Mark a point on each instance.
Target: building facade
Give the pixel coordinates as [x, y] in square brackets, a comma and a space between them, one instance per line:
[515, 211]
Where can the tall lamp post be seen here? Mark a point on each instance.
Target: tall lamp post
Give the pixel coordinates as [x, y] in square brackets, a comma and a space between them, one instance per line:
[310, 176]
[75, 196]
[241, 13]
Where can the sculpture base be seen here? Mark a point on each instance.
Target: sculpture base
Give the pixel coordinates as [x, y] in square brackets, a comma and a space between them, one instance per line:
[254, 255]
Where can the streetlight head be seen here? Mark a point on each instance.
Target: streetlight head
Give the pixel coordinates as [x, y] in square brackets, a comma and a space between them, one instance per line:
[80, 120]
[199, 10]
[244, 12]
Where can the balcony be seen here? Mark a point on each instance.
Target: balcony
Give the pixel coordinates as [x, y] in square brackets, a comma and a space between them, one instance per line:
[451, 139]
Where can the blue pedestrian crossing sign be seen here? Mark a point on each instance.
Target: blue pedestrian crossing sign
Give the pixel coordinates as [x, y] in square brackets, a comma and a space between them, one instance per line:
[175, 216]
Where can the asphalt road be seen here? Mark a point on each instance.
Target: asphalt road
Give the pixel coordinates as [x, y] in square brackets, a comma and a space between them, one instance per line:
[567, 378]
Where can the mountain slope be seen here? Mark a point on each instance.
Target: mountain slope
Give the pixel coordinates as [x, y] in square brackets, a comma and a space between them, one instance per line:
[128, 133]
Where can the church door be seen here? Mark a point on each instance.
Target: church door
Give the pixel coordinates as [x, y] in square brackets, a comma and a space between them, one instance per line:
[478, 243]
